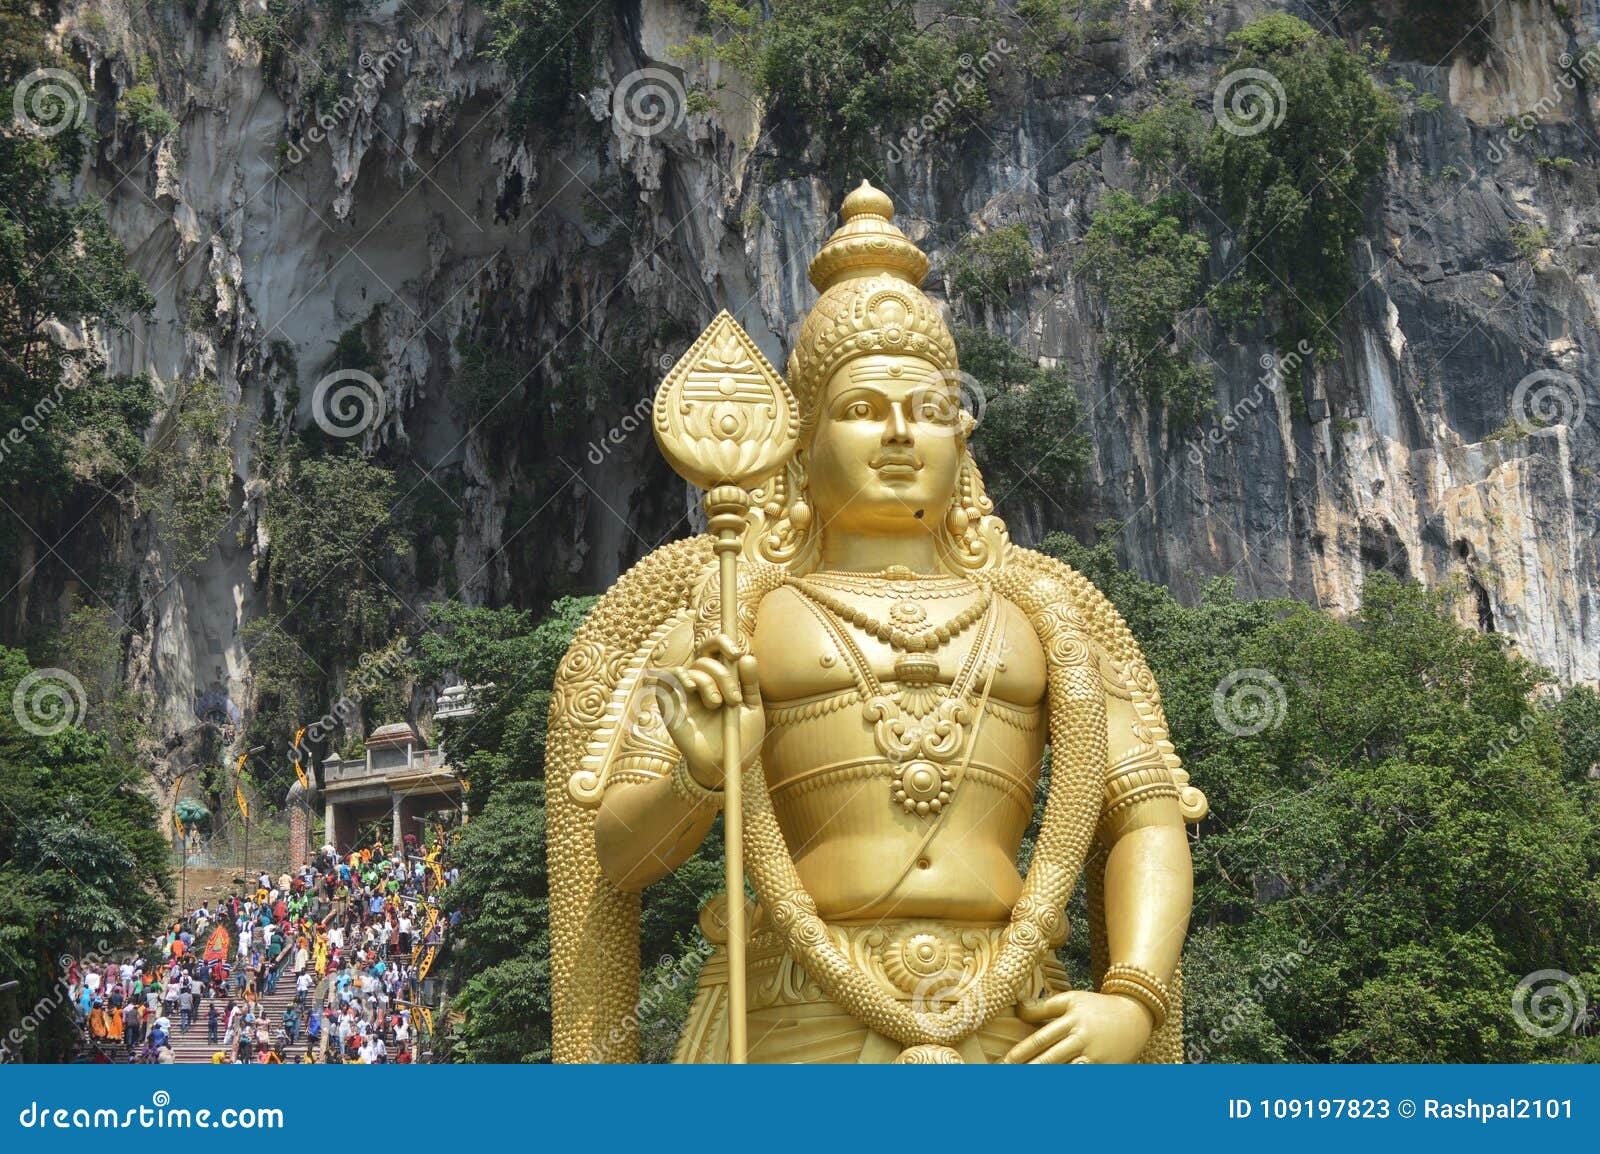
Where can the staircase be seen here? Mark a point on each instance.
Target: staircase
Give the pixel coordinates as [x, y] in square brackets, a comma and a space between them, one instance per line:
[193, 1049]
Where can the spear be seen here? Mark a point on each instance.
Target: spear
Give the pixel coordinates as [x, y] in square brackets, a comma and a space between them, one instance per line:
[725, 420]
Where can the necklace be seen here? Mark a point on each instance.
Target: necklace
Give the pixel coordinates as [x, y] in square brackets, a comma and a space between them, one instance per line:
[921, 726]
[900, 631]
[901, 585]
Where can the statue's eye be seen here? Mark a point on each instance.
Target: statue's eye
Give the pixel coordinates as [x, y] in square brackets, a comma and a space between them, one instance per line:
[934, 409]
[857, 411]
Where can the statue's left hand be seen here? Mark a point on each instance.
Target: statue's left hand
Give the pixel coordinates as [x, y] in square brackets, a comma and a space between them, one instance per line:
[1082, 1026]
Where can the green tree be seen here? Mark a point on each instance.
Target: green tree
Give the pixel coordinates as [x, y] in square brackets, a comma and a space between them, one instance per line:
[191, 479]
[68, 429]
[332, 535]
[1149, 269]
[987, 267]
[500, 956]
[1292, 166]
[1382, 865]
[549, 47]
[1029, 437]
[83, 863]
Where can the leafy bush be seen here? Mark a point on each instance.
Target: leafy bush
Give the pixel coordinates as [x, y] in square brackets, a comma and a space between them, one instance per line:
[191, 477]
[330, 523]
[842, 73]
[1409, 837]
[1294, 189]
[987, 267]
[141, 106]
[72, 431]
[549, 47]
[1529, 240]
[1029, 439]
[1149, 270]
[83, 861]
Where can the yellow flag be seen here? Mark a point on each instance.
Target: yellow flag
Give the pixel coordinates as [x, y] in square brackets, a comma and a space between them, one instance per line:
[177, 821]
[238, 788]
[305, 782]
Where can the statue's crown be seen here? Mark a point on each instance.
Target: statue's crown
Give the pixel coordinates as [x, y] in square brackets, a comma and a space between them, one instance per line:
[869, 274]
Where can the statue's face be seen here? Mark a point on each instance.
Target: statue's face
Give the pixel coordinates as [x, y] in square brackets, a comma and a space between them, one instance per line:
[887, 448]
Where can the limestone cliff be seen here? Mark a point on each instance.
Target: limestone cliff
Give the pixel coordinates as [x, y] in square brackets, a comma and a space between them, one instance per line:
[412, 211]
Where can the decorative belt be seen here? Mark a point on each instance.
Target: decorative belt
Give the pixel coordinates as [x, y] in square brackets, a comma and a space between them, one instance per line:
[925, 962]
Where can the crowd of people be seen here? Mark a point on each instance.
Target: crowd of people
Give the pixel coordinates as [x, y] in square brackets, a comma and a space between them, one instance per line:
[345, 932]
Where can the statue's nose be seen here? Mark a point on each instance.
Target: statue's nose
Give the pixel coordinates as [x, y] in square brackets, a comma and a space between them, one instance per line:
[897, 430]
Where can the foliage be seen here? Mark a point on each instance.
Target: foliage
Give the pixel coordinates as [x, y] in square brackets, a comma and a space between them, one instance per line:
[89, 646]
[550, 48]
[1387, 861]
[839, 72]
[190, 480]
[283, 681]
[331, 534]
[1529, 240]
[1294, 189]
[1413, 835]
[489, 385]
[1432, 32]
[501, 955]
[987, 267]
[141, 106]
[1029, 436]
[1150, 270]
[1164, 139]
[68, 430]
[82, 865]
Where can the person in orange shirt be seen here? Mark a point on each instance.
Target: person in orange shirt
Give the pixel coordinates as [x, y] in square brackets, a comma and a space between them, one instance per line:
[114, 1026]
[97, 1021]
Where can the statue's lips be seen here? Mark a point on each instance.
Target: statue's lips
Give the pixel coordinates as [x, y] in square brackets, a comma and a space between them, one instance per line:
[896, 471]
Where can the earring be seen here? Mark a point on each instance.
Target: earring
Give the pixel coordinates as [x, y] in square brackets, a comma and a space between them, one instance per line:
[800, 508]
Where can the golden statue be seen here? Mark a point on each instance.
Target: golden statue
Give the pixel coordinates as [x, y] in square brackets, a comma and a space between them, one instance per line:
[874, 706]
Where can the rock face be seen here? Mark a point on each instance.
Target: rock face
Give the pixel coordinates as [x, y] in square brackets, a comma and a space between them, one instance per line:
[415, 214]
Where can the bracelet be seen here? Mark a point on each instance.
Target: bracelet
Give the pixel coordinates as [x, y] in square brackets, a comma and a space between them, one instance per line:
[690, 790]
[1140, 985]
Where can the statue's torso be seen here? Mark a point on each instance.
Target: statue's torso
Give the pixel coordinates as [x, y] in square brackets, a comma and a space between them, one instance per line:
[859, 851]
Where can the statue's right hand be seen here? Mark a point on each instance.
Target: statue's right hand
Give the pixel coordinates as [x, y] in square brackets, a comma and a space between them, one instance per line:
[721, 677]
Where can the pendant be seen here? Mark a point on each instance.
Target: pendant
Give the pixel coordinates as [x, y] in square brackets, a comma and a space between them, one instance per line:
[922, 788]
[916, 673]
